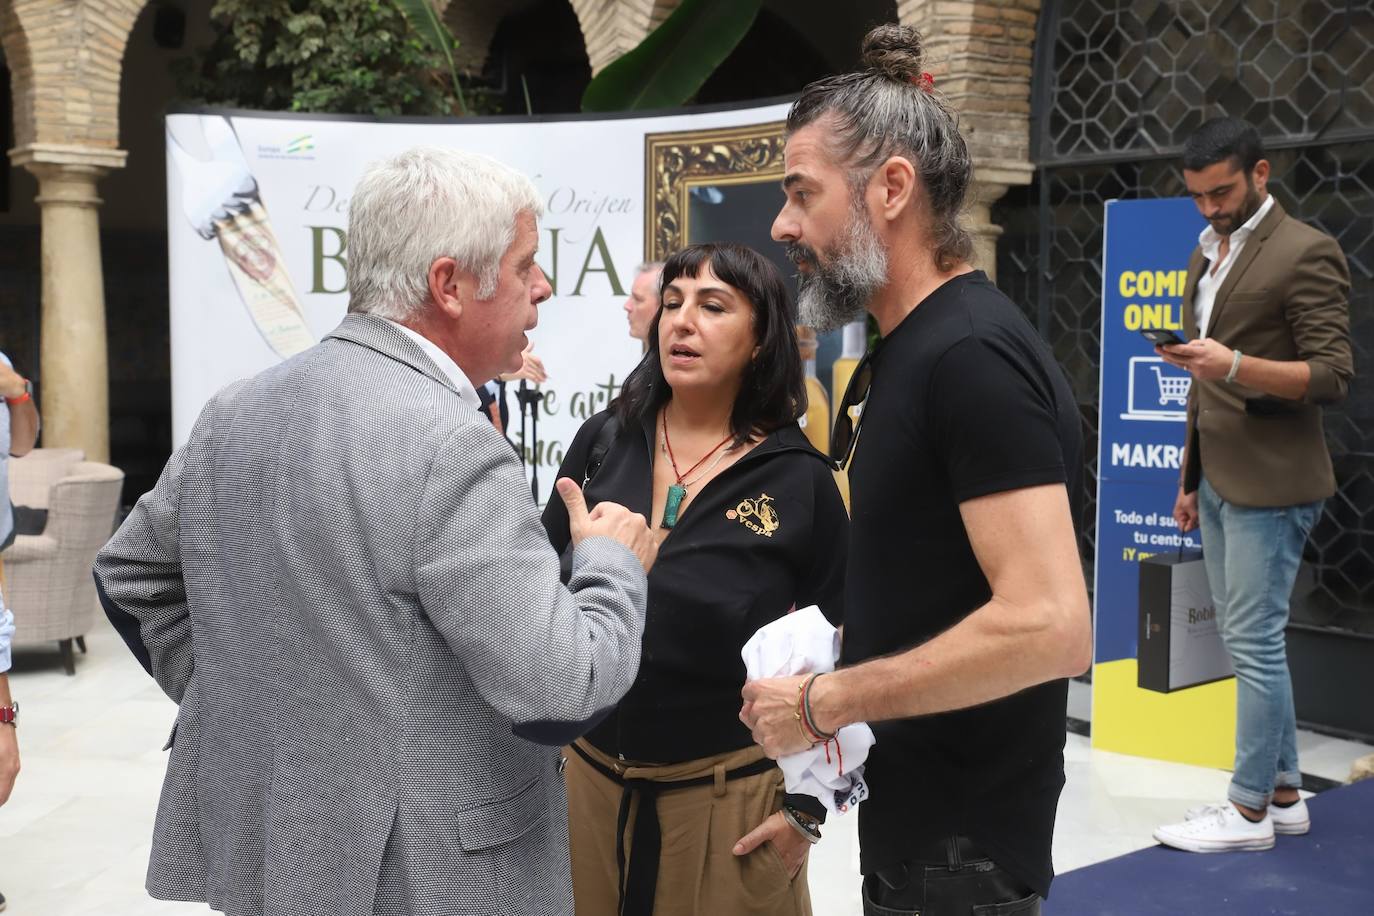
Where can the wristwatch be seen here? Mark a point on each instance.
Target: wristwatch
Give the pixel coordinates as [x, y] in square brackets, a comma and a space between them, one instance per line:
[9, 715]
[803, 823]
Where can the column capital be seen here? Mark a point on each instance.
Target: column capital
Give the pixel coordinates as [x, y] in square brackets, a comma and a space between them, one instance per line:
[67, 174]
[999, 175]
[992, 178]
[35, 156]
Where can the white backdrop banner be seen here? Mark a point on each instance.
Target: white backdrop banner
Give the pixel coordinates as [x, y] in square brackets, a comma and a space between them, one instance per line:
[257, 239]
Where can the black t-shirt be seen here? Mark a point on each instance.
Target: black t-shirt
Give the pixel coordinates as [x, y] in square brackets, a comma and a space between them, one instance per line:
[966, 400]
[767, 533]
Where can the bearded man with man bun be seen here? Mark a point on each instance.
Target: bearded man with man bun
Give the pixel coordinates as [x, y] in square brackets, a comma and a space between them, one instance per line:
[966, 609]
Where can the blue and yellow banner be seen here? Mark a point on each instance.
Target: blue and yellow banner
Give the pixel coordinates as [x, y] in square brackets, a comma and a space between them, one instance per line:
[1146, 245]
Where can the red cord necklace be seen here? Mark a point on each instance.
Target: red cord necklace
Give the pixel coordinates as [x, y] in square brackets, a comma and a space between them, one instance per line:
[677, 491]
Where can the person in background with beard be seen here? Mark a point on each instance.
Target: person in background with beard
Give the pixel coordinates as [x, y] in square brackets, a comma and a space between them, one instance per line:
[965, 605]
[1268, 322]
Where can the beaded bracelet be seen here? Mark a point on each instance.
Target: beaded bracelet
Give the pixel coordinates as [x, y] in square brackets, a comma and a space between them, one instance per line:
[1235, 366]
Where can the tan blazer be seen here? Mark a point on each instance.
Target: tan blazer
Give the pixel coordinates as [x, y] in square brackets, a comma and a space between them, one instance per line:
[1285, 298]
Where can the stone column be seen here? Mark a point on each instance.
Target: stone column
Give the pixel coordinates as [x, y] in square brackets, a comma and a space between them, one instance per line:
[980, 55]
[991, 179]
[75, 375]
[978, 221]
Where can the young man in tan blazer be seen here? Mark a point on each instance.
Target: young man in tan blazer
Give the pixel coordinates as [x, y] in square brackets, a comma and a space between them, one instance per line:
[1266, 313]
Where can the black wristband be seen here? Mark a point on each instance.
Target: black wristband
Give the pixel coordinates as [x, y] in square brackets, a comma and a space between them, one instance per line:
[806, 804]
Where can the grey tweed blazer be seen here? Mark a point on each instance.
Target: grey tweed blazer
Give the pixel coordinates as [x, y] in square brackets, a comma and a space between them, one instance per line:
[342, 580]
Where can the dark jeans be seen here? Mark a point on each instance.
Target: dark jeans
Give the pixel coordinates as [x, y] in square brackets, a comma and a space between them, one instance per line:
[960, 882]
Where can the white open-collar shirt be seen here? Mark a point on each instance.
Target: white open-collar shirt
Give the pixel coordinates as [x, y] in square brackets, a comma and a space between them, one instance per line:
[1211, 280]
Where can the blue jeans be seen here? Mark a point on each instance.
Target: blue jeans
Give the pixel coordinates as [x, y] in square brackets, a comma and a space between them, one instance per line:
[1252, 557]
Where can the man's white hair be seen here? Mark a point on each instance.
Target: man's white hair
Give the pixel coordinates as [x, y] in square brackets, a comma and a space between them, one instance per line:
[424, 204]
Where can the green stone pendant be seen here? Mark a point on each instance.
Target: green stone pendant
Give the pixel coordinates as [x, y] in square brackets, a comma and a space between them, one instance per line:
[675, 494]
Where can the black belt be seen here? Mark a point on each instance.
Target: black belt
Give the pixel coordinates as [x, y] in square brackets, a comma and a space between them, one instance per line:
[950, 852]
[637, 888]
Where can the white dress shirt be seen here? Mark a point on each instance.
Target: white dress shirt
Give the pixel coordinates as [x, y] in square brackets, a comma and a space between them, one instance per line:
[445, 364]
[1211, 280]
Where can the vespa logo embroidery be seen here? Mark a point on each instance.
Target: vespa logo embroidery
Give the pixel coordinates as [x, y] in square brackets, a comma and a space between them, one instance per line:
[758, 515]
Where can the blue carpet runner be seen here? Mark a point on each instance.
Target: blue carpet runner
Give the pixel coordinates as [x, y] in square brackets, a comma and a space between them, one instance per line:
[1328, 872]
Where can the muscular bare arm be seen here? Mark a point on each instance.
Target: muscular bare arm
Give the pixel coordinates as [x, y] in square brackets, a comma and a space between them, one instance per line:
[1036, 628]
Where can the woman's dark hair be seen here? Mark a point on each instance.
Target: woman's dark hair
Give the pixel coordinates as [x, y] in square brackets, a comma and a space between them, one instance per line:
[772, 392]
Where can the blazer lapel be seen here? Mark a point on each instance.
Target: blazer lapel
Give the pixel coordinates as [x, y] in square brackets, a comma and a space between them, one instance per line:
[1196, 265]
[1245, 259]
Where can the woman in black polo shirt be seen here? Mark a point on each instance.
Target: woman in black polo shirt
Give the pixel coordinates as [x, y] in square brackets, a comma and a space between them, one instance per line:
[704, 442]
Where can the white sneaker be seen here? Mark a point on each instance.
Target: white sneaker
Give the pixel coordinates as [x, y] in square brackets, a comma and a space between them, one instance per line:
[1291, 821]
[1218, 828]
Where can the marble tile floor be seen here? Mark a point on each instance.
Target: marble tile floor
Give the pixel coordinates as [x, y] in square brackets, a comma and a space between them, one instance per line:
[74, 837]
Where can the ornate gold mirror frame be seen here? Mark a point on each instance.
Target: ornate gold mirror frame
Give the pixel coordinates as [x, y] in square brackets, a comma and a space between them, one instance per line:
[677, 162]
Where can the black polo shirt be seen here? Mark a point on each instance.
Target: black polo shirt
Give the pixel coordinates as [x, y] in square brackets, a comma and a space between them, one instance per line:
[966, 401]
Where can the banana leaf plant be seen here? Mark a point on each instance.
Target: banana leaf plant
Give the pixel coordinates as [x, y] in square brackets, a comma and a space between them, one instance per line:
[426, 23]
[669, 66]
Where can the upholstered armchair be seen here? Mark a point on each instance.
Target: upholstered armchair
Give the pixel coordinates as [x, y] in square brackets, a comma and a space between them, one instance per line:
[48, 581]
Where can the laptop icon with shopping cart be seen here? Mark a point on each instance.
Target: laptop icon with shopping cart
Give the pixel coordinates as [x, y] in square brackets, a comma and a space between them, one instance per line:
[1156, 390]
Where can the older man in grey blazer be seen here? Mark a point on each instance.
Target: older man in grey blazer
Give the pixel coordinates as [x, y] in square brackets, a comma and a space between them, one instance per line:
[343, 582]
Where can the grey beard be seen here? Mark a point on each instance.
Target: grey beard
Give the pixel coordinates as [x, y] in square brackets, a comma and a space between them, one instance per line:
[835, 294]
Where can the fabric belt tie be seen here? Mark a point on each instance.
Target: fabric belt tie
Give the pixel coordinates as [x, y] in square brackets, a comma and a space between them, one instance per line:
[646, 842]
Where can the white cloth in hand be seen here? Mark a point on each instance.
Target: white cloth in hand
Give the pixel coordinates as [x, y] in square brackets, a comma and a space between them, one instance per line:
[804, 642]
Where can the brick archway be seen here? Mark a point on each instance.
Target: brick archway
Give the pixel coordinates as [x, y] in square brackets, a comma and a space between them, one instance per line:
[609, 27]
[66, 57]
[474, 25]
[15, 44]
[612, 27]
[66, 60]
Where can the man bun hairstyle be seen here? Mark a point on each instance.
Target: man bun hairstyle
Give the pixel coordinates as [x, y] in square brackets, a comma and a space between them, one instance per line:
[1220, 139]
[890, 108]
[895, 51]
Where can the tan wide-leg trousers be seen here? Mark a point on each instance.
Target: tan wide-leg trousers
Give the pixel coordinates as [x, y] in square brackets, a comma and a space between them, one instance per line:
[698, 875]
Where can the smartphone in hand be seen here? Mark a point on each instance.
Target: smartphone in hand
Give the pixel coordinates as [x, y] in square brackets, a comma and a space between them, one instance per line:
[1161, 337]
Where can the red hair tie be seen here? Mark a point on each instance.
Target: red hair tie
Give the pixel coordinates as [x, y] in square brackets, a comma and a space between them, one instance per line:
[925, 82]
